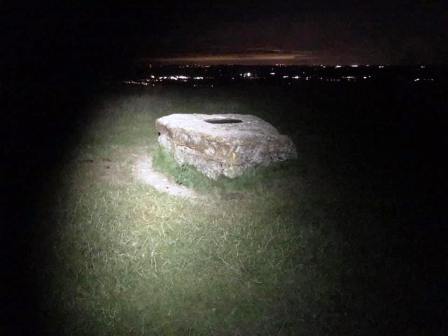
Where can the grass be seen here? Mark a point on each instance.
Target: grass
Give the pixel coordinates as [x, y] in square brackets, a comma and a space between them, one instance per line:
[270, 253]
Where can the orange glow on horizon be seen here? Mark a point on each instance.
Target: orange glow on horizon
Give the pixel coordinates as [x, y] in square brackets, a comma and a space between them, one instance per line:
[257, 58]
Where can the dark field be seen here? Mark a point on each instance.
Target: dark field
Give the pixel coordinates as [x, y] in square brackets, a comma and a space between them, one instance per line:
[347, 240]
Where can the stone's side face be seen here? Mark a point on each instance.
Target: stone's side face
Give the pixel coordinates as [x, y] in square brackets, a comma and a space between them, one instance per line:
[223, 144]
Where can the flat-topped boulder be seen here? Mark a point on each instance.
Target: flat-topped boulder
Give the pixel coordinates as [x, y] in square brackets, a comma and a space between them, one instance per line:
[223, 144]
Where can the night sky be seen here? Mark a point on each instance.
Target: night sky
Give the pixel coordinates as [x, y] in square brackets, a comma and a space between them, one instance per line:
[262, 32]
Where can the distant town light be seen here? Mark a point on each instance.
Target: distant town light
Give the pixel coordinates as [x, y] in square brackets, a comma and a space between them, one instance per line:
[338, 66]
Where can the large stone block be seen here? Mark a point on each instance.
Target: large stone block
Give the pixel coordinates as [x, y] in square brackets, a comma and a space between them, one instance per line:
[223, 144]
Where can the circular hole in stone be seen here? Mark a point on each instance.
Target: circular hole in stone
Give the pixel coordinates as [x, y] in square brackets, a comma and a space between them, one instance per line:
[223, 121]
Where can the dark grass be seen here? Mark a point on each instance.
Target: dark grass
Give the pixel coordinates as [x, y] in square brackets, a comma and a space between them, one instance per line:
[347, 240]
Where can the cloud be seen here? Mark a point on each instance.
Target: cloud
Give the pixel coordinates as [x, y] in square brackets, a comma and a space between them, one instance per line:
[272, 57]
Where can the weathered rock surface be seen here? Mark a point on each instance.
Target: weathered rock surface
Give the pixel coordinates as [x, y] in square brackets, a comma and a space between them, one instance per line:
[223, 144]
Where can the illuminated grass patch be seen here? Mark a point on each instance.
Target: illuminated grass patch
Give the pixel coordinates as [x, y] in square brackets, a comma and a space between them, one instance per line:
[260, 254]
